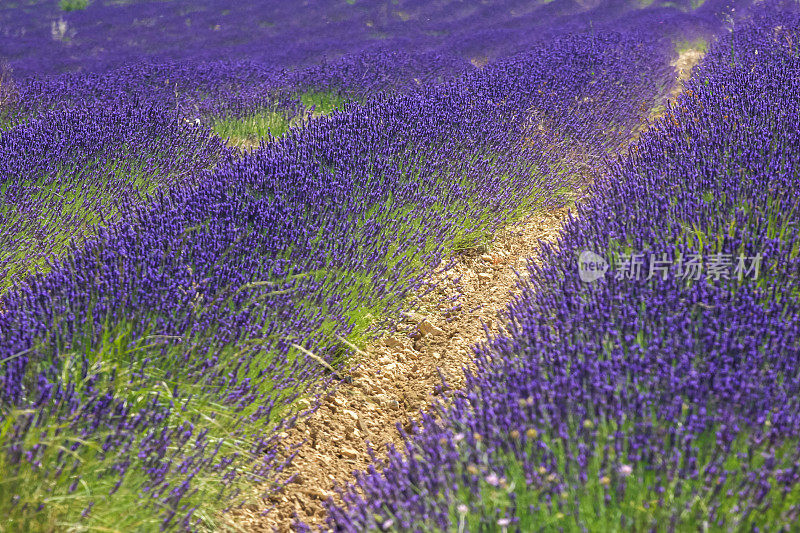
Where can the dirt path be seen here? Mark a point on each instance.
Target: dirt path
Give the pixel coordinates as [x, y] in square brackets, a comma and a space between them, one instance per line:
[398, 375]
[683, 65]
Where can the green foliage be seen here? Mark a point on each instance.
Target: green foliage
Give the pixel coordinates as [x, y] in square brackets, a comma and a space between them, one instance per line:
[323, 102]
[684, 45]
[249, 130]
[73, 5]
[71, 475]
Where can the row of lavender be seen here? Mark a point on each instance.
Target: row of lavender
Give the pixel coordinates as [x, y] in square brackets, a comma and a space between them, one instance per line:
[68, 172]
[146, 377]
[270, 95]
[80, 149]
[38, 38]
[664, 396]
[208, 90]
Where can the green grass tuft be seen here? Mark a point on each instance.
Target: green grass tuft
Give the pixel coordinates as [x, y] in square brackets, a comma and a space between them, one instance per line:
[248, 131]
[73, 5]
[684, 45]
[323, 102]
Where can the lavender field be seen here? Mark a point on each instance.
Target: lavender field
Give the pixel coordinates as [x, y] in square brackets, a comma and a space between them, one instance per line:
[212, 212]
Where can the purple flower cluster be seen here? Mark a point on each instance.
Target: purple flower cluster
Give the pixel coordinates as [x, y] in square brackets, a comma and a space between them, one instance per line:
[179, 55]
[202, 90]
[37, 38]
[621, 404]
[162, 349]
[65, 173]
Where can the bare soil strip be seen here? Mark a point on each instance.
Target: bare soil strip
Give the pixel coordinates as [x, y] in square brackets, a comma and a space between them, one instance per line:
[396, 377]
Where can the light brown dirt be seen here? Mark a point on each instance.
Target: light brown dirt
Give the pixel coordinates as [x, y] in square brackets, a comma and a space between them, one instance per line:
[684, 64]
